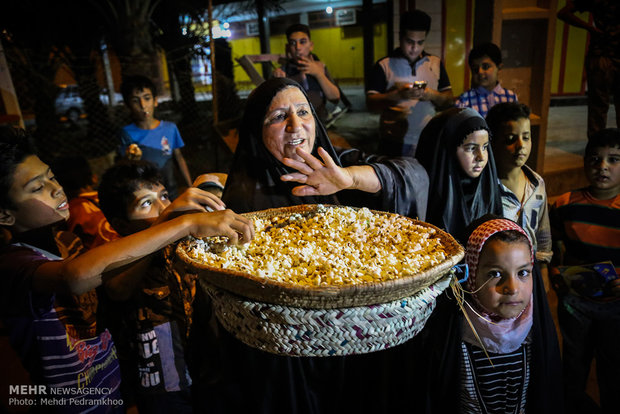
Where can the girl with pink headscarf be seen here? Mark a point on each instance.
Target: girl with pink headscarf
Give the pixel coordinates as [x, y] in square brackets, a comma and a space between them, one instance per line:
[498, 351]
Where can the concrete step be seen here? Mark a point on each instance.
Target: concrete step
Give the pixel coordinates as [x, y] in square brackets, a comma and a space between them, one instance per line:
[563, 171]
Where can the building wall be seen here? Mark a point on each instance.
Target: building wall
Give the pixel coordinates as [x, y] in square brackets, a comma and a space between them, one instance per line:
[451, 35]
[457, 42]
[341, 48]
[568, 77]
[453, 20]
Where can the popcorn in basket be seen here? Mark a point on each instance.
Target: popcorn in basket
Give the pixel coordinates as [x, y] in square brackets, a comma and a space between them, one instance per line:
[325, 280]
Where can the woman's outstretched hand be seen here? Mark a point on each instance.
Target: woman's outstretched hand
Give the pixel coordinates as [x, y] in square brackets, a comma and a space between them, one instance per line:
[318, 177]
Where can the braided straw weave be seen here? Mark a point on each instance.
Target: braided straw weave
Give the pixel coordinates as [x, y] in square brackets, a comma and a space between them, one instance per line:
[293, 331]
[321, 297]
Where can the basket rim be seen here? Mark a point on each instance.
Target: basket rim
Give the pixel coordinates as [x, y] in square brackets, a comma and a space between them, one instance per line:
[454, 253]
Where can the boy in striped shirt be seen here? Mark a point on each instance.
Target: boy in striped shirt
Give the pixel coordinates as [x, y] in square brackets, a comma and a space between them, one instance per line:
[48, 303]
[586, 230]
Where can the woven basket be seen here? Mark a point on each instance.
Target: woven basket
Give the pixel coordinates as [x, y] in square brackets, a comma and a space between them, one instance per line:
[321, 297]
[294, 331]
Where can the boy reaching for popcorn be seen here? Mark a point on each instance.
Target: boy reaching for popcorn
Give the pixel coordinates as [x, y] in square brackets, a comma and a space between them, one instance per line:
[155, 302]
[49, 305]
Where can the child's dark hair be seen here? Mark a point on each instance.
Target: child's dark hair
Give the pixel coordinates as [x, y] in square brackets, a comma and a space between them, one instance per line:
[136, 82]
[505, 112]
[120, 181]
[609, 137]
[298, 27]
[15, 146]
[485, 49]
[73, 173]
[414, 20]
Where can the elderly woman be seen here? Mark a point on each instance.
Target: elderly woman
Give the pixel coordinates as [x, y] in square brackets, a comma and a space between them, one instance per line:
[285, 158]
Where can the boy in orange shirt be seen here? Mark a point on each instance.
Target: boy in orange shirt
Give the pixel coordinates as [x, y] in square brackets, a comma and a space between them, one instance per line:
[586, 231]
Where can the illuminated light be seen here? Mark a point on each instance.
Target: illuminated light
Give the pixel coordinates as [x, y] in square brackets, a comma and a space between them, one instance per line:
[329, 10]
[226, 25]
[218, 32]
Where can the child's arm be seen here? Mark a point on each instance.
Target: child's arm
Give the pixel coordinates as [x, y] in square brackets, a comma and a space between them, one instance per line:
[121, 283]
[557, 282]
[544, 249]
[615, 287]
[84, 272]
[178, 155]
[316, 68]
[191, 200]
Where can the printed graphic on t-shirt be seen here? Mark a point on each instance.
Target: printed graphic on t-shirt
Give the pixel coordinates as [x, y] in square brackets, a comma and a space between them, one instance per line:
[149, 365]
[165, 146]
[159, 368]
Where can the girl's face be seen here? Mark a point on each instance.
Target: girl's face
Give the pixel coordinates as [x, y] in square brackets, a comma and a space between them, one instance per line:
[505, 274]
[473, 153]
[289, 125]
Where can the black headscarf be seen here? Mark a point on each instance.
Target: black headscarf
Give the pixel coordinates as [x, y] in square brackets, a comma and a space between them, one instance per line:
[254, 179]
[455, 199]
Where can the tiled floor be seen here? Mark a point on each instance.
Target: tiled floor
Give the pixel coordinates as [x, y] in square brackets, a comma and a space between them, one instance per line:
[566, 135]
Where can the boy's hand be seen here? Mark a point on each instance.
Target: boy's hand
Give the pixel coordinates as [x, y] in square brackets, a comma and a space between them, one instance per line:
[278, 73]
[191, 200]
[309, 66]
[404, 92]
[557, 282]
[427, 94]
[615, 287]
[205, 178]
[237, 228]
[133, 152]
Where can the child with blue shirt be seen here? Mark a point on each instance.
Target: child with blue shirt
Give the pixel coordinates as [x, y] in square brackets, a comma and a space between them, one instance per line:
[485, 62]
[159, 141]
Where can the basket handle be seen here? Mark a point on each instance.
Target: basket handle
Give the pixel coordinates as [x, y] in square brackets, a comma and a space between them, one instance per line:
[460, 270]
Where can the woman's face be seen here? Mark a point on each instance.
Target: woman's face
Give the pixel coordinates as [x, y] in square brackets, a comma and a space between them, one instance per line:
[288, 124]
[504, 277]
[473, 153]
